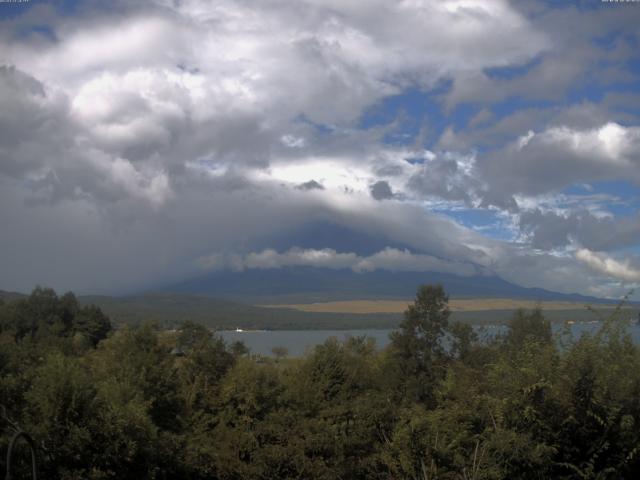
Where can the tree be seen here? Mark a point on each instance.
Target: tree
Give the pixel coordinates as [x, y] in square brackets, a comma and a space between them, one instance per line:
[61, 406]
[206, 362]
[135, 357]
[238, 348]
[92, 324]
[280, 352]
[416, 348]
[43, 316]
[463, 338]
[192, 335]
[528, 327]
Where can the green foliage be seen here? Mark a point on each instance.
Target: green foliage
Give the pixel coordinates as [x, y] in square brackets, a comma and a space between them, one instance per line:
[91, 324]
[526, 327]
[424, 324]
[45, 316]
[417, 351]
[463, 339]
[280, 352]
[142, 402]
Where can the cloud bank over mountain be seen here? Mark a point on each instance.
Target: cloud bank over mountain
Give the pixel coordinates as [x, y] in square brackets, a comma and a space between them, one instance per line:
[141, 142]
[391, 259]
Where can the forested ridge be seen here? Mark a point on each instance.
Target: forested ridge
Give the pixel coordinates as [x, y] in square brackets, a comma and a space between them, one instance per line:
[144, 402]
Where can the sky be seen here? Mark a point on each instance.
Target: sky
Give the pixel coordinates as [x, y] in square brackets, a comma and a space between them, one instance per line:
[147, 142]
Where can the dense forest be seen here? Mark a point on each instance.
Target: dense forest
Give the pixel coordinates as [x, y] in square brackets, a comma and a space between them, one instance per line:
[143, 402]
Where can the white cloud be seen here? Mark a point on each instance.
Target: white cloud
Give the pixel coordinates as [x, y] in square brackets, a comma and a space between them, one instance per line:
[275, 60]
[559, 157]
[173, 129]
[391, 259]
[579, 222]
[269, 259]
[604, 264]
[611, 144]
[403, 260]
[162, 85]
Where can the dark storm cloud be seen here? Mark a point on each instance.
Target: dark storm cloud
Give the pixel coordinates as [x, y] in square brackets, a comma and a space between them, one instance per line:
[310, 185]
[31, 124]
[381, 190]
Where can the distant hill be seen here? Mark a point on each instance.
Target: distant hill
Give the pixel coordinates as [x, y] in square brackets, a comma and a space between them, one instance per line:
[173, 309]
[305, 284]
[4, 295]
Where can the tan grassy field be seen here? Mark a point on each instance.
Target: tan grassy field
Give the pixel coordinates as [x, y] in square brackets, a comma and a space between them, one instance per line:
[456, 305]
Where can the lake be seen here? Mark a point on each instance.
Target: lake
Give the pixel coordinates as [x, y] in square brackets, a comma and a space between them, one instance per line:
[298, 342]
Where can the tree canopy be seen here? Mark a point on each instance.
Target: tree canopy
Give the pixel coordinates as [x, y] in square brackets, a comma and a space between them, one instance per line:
[143, 402]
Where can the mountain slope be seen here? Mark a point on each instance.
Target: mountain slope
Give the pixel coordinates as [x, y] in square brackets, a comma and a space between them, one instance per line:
[305, 284]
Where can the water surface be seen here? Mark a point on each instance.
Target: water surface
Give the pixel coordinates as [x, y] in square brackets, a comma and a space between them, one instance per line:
[299, 342]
